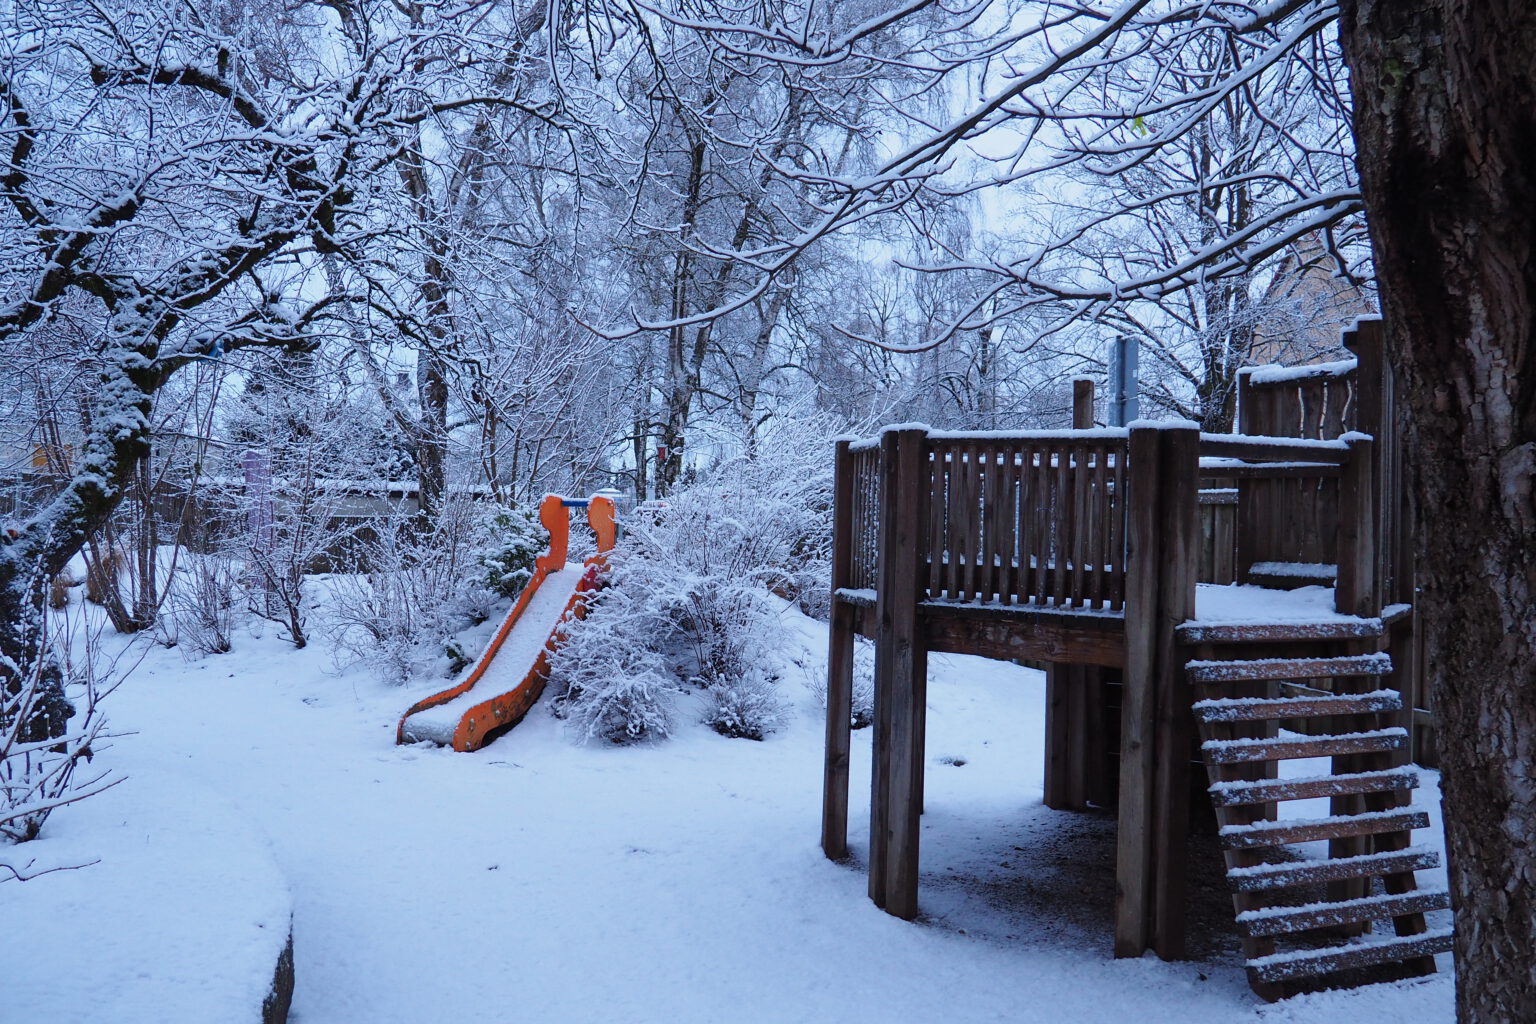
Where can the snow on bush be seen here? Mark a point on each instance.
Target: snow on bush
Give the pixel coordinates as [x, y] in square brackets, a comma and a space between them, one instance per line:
[205, 604]
[691, 598]
[414, 591]
[748, 707]
[516, 539]
[863, 710]
[49, 723]
[610, 679]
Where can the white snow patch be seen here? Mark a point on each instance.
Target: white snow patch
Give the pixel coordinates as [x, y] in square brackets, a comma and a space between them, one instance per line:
[679, 882]
[181, 918]
[1241, 603]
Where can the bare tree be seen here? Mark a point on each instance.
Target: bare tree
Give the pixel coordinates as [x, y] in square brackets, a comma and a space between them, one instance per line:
[177, 171]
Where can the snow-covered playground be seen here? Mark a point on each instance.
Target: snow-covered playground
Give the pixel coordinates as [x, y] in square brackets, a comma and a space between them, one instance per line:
[541, 880]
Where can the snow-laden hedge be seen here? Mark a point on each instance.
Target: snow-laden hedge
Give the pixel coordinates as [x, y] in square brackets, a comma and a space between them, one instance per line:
[399, 615]
[690, 604]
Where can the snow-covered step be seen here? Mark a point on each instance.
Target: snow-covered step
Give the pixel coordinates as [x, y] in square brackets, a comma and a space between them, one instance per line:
[1264, 877]
[1310, 830]
[1197, 632]
[1287, 747]
[1290, 575]
[1265, 791]
[1310, 916]
[1267, 709]
[1306, 963]
[1260, 669]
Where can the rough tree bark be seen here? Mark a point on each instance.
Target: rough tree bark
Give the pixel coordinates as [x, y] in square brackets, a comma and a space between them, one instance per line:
[1445, 107]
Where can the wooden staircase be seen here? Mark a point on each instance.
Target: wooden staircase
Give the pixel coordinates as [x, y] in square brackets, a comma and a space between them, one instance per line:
[1305, 920]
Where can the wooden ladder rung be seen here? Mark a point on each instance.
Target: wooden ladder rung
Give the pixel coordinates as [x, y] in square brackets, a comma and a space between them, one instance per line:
[1265, 877]
[1263, 791]
[1288, 747]
[1263, 709]
[1197, 632]
[1313, 962]
[1260, 669]
[1337, 826]
[1311, 916]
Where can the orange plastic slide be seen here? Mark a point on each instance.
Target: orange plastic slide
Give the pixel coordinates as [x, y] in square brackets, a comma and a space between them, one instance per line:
[510, 675]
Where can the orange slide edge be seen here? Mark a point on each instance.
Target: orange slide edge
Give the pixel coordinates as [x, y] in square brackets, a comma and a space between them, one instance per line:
[483, 721]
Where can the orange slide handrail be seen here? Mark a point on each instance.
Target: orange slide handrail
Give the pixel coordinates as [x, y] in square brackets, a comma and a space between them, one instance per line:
[507, 708]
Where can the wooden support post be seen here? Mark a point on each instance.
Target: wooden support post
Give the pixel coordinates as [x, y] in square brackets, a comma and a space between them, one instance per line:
[834, 787]
[1133, 847]
[1082, 403]
[1080, 729]
[1247, 515]
[1178, 556]
[1356, 591]
[1075, 751]
[896, 788]
[1058, 737]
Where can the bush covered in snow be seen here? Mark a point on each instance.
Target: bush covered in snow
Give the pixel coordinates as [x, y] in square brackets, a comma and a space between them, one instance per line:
[610, 679]
[205, 602]
[413, 592]
[516, 539]
[49, 721]
[863, 709]
[690, 602]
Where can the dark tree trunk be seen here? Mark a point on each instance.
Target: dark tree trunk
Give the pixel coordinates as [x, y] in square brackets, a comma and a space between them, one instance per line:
[431, 448]
[1445, 108]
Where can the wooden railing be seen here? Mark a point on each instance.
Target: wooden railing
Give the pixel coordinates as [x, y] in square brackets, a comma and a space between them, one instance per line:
[1218, 531]
[1029, 518]
[1040, 518]
[1303, 501]
[863, 467]
[1316, 402]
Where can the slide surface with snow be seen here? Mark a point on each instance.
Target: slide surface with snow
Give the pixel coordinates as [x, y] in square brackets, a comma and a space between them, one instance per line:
[510, 675]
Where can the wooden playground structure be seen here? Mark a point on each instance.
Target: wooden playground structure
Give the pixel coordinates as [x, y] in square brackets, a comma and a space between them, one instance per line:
[1087, 549]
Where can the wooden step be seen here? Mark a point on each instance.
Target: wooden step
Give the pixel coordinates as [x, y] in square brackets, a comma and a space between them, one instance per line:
[1310, 830]
[1290, 575]
[1264, 791]
[1264, 709]
[1260, 669]
[1287, 747]
[1310, 916]
[1313, 962]
[1265, 877]
[1197, 632]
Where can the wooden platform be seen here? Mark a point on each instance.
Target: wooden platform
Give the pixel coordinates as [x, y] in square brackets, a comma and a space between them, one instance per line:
[1084, 550]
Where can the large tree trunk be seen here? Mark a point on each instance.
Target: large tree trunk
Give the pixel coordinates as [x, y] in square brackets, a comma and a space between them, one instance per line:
[1445, 107]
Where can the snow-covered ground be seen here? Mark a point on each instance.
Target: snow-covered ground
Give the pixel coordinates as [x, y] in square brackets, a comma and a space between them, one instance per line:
[541, 881]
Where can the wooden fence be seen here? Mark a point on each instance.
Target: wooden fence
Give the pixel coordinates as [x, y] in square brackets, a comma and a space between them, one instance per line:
[1032, 518]
[1291, 518]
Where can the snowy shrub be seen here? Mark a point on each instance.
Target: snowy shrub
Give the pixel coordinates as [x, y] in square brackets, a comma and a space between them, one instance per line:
[49, 721]
[863, 709]
[746, 707]
[863, 683]
[692, 595]
[516, 539]
[611, 681]
[204, 604]
[684, 609]
[399, 614]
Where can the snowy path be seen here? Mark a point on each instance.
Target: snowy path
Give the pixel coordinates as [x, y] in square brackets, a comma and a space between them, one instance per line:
[538, 881]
